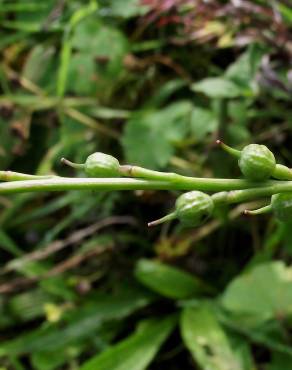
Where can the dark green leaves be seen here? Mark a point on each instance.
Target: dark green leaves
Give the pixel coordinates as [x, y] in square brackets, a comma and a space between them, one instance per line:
[81, 325]
[203, 122]
[150, 136]
[137, 351]
[168, 281]
[217, 87]
[264, 292]
[206, 340]
[238, 80]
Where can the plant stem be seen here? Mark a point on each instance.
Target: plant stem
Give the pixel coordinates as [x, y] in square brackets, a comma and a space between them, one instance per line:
[259, 211]
[234, 191]
[72, 164]
[16, 176]
[67, 183]
[234, 152]
[144, 173]
[169, 217]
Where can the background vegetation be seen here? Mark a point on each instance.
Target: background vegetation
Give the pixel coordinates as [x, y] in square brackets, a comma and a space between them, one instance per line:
[83, 282]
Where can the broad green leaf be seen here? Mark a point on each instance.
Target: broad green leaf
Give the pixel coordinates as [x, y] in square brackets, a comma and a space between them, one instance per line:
[203, 122]
[98, 40]
[168, 281]
[158, 130]
[217, 87]
[264, 292]
[98, 61]
[137, 351]
[82, 74]
[206, 340]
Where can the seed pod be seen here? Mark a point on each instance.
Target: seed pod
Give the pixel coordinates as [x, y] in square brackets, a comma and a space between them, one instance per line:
[193, 208]
[101, 165]
[257, 162]
[282, 206]
[98, 165]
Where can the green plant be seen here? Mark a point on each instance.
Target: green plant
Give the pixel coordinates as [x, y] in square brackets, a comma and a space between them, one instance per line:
[191, 208]
[83, 281]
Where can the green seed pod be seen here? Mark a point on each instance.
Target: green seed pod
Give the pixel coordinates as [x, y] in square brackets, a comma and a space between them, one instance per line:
[282, 206]
[101, 165]
[97, 165]
[257, 162]
[193, 208]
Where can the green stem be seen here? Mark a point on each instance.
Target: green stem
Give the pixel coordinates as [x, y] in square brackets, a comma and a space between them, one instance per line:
[169, 217]
[16, 176]
[246, 190]
[259, 211]
[141, 172]
[234, 152]
[185, 183]
[77, 166]
[282, 172]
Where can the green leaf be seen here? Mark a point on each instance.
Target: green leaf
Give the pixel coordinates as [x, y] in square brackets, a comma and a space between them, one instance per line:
[242, 71]
[280, 361]
[264, 292]
[83, 324]
[37, 63]
[48, 361]
[8, 244]
[206, 340]
[168, 281]
[217, 87]
[137, 351]
[127, 8]
[29, 305]
[285, 11]
[150, 135]
[82, 73]
[100, 51]
[98, 40]
[203, 122]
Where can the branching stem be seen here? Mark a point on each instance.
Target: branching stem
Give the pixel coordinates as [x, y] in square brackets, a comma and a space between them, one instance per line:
[230, 190]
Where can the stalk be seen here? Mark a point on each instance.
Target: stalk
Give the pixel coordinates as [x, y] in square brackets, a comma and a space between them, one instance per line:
[185, 183]
[235, 191]
[234, 152]
[78, 166]
[16, 176]
[169, 217]
[259, 211]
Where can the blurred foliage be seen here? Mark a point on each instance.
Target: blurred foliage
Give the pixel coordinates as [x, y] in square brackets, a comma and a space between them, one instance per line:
[83, 283]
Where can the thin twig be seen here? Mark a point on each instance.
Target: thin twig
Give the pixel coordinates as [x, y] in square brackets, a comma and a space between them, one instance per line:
[74, 238]
[63, 266]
